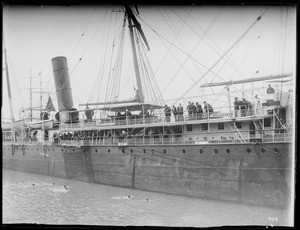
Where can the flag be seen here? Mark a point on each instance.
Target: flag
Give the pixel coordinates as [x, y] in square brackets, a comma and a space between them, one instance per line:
[50, 106]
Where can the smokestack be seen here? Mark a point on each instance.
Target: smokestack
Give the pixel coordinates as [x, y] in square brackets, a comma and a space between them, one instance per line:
[63, 87]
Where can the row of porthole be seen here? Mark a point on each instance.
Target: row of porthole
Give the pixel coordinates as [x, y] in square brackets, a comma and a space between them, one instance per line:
[262, 150]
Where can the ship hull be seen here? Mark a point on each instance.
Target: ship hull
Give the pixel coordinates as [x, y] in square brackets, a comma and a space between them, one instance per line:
[254, 174]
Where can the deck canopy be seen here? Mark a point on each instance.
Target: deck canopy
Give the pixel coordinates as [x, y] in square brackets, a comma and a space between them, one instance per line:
[132, 107]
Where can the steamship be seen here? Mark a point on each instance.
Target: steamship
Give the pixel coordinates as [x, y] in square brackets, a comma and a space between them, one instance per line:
[242, 155]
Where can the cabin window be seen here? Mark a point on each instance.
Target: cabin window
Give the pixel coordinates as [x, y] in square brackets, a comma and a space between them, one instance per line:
[165, 151]
[262, 150]
[152, 151]
[220, 126]
[267, 122]
[215, 151]
[96, 150]
[131, 150]
[204, 126]
[248, 150]
[183, 151]
[123, 150]
[108, 150]
[189, 128]
[276, 150]
[239, 125]
[144, 150]
[227, 150]
[201, 150]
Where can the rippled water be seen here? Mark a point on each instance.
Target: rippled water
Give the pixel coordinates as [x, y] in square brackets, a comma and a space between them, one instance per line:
[30, 198]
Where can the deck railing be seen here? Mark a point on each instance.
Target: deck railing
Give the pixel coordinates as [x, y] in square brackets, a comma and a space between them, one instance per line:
[159, 139]
[160, 117]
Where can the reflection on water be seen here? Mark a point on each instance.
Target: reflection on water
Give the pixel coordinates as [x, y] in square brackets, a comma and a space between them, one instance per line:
[30, 198]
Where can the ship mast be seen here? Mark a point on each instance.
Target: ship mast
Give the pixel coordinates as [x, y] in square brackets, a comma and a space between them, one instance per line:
[8, 83]
[132, 22]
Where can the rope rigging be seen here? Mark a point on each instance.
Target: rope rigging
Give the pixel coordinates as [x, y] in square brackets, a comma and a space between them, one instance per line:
[190, 54]
[231, 47]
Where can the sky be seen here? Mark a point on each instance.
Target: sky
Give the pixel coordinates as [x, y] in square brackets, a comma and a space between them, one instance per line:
[189, 46]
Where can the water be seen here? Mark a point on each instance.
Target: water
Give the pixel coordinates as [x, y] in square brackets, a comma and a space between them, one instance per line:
[30, 198]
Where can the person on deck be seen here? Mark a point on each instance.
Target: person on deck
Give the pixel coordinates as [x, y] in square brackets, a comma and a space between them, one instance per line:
[270, 90]
[189, 108]
[175, 112]
[168, 113]
[180, 112]
[236, 104]
[208, 108]
[199, 111]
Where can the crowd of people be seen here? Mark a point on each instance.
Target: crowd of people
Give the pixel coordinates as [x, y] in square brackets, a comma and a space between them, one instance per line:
[243, 105]
[195, 111]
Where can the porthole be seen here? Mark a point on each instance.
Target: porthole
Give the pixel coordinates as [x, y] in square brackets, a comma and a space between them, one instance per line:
[276, 150]
[200, 150]
[108, 150]
[152, 151]
[248, 150]
[96, 150]
[215, 151]
[262, 150]
[144, 150]
[227, 150]
[73, 150]
[123, 150]
[165, 151]
[131, 150]
[183, 151]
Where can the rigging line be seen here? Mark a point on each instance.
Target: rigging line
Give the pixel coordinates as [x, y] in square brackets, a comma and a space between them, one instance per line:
[169, 46]
[82, 35]
[233, 45]
[106, 47]
[217, 52]
[70, 32]
[101, 74]
[177, 37]
[192, 51]
[147, 70]
[160, 36]
[284, 43]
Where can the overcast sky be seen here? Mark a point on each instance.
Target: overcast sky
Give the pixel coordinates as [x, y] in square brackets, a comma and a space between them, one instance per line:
[185, 45]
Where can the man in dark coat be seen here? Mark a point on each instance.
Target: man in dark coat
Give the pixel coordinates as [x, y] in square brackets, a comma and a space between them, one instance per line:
[208, 108]
[180, 112]
[199, 111]
[168, 113]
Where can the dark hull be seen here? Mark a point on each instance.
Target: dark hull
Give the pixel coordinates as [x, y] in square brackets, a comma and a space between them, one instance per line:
[254, 174]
